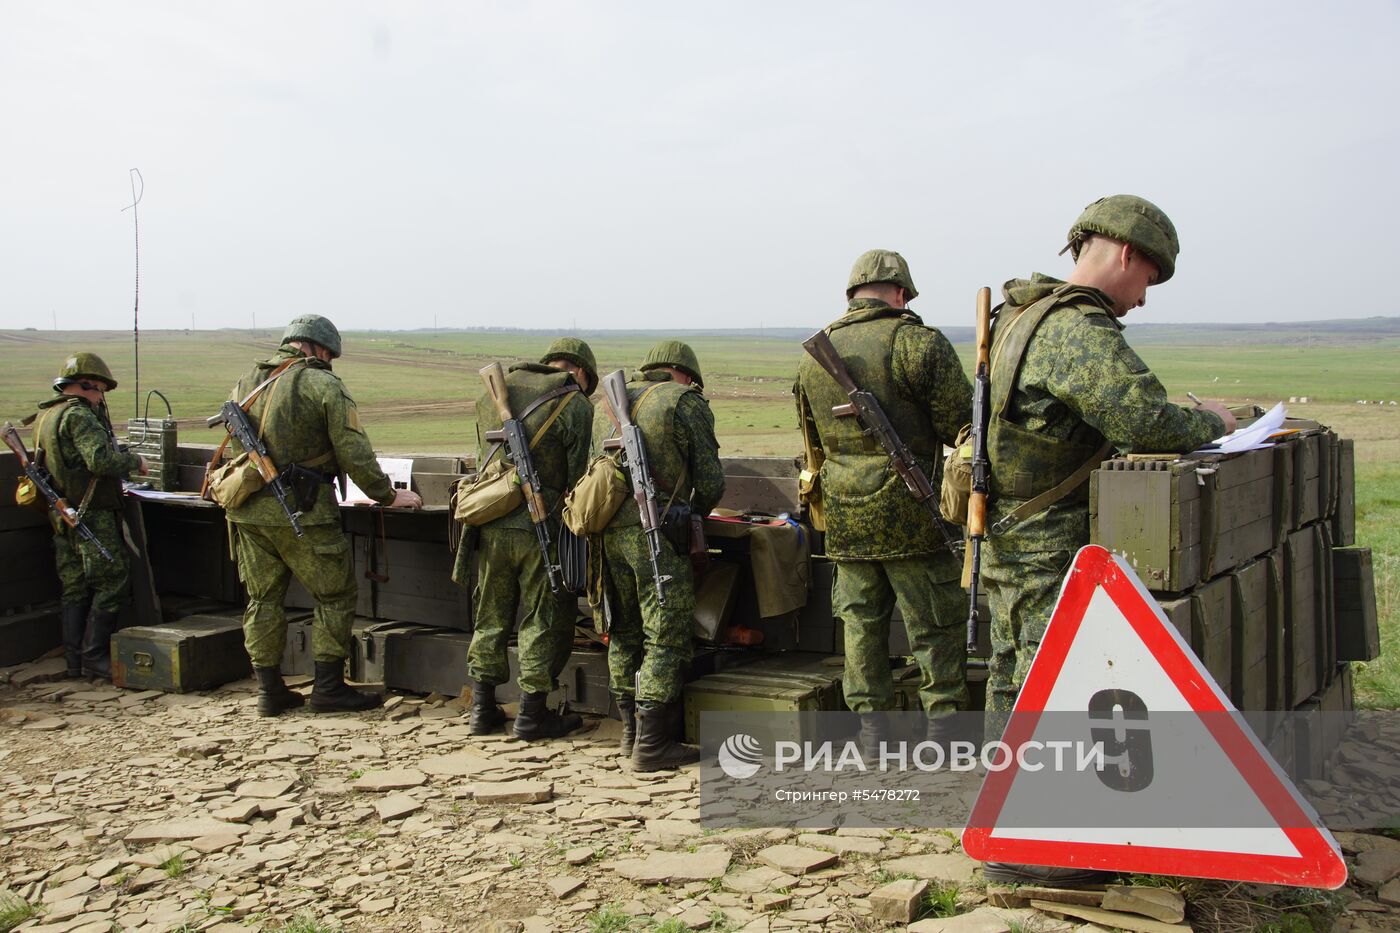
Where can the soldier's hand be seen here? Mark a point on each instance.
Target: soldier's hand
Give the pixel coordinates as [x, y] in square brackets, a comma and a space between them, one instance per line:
[406, 499]
[1218, 408]
[143, 468]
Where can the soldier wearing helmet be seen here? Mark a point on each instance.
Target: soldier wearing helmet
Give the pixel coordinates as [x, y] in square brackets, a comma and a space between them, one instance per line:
[1066, 392]
[649, 643]
[551, 400]
[885, 545]
[312, 429]
[74, 438]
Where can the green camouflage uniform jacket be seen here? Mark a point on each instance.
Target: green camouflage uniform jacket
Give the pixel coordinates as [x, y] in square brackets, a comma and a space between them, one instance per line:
[561, 455]
[78, 445]
[914, 373]
[307, 417]
[1078, 386]
[680, 415]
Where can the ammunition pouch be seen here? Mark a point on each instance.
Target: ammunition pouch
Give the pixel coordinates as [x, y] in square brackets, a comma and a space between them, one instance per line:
[573, 560]
[598, 495]
[493, 493]
[233, 482]
[956, 490]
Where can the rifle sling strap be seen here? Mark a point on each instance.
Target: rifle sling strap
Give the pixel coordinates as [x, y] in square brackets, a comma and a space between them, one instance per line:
[245, 405]
[564, 390]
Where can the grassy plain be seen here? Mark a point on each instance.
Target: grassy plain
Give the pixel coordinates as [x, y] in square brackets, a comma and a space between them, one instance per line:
[417, 394]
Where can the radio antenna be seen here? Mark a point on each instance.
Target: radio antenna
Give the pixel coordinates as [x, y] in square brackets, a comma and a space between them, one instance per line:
[136, 193]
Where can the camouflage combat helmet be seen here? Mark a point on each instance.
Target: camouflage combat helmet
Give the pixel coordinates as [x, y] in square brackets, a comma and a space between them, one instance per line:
[1132, 220]
[573, 350]
[316, 329]
[676, 354]
[881, 265]
[84, 364]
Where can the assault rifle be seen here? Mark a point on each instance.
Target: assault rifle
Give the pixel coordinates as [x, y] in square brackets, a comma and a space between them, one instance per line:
[232, 416]
[981, 466]
[873, 422]
[517, 448]
[43, 482]
[634, 458]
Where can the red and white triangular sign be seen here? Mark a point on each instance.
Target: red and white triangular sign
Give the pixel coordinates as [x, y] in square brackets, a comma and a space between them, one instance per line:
[1219, 806]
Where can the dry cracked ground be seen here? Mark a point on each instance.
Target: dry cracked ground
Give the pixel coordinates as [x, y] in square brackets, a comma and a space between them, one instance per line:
[146, 812]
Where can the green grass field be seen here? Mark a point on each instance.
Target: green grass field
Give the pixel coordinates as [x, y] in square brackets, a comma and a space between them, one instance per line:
[417, 394]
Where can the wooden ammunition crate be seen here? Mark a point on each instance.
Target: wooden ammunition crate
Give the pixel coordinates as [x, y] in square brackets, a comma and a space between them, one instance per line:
[1212, 616]
[1305, 618]
[1149, 511]
[906, 689]
[1358, 633]
[1311, 477]
[299, 650]
[1178, 613]
[198, 652]
[788, 683]
[1249, 650]
[1344, 513]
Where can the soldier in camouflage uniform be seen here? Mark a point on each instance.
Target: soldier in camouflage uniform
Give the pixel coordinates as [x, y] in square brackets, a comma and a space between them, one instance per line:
[308, 419]
[551, 399]
[885, 545]
[1066, 391]
[649, 643]
[73, 439]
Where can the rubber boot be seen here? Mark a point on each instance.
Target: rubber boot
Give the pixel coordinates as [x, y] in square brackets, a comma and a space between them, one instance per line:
[627, 706]
[97, 644]
[537, 721]
[873, 734]
[331, 695]
[274, 697]
[654, 749]
[486, 716]
[74, 626]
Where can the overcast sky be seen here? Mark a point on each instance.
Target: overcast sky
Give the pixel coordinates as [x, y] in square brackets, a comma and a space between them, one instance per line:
[620, 164]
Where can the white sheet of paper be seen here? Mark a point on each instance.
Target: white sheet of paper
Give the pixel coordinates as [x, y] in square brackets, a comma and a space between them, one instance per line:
[398, 469]
[1252, 437]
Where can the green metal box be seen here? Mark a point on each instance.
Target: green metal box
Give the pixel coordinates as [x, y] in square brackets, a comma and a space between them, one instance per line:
[1358, 633]
[198, 652]
[155, 439]
[786, 683]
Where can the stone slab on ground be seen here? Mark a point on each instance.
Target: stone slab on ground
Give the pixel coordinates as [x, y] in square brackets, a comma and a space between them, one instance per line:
[179, 830]
[796, 860]
[1158, 903]
[396, 806]
[513, 792]
[561, 886]
[842, 845]
[705, 863]
[275, 787]
[1375, 867]
[1110, 918]
[898, 901]
[951, 867]
[458, 764]
[756, 880]
[981, 920]
[389, 779]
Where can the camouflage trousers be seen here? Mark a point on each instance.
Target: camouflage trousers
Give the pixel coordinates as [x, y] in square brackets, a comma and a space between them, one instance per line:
[87, 575]
[268, 557]
[1022, 588]
[510, 572]
[863, 596]
[644, 636]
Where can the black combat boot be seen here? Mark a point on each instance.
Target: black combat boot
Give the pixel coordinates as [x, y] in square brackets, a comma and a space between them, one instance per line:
[874, 732]
[654, 748]
[627, 707]
[274, 696]
[97, 644]
[331, 695]
[74, 626]
[486, 716]
[537, 721]
[1044, 875]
